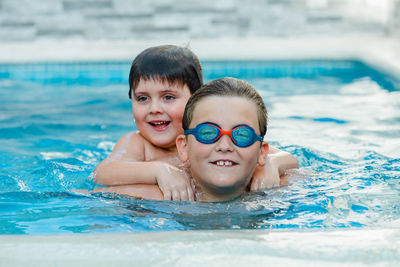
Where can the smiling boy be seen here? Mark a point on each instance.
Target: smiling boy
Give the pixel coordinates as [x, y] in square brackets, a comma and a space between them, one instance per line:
[225, 123]
[161, 81]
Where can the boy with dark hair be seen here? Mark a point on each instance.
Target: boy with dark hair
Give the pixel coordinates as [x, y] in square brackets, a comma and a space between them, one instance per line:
[161, 81]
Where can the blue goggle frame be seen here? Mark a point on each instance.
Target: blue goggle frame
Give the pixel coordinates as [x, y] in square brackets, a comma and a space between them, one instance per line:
[209, 133]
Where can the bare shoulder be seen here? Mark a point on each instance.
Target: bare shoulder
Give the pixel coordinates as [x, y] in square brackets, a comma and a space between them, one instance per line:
[133, 146]
[130, 146]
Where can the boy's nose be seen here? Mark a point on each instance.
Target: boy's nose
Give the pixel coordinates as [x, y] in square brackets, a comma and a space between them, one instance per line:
[155, 107]
[225, 144]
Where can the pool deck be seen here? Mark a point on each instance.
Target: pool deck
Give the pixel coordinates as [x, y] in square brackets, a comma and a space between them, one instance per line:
[362, 247]
[382, 53]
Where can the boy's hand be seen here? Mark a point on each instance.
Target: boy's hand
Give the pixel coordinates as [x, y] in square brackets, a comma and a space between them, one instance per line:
[174, 183]
[266, 176]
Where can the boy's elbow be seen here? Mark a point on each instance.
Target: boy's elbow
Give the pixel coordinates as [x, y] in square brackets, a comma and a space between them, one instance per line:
[99, 176]
[289, 162]
[284, 161]
[294, 162]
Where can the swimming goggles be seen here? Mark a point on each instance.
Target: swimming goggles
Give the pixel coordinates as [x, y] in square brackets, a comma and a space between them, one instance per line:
[208, 133]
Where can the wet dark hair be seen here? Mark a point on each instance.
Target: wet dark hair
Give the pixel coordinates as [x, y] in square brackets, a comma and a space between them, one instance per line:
[167, 63]
[227, 87]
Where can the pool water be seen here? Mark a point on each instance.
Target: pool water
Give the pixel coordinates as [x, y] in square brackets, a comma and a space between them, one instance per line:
[341, 119]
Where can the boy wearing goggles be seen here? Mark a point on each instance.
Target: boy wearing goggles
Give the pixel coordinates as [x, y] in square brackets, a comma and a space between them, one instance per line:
[223, 151]
[161, 81]
[209, 133]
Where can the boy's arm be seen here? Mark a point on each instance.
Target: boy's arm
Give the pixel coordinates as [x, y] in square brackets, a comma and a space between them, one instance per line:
[269, 175]
[161, 174]
[282, 160]
[126, 166]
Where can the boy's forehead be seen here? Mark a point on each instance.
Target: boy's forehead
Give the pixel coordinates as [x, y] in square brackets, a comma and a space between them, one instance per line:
[220, 108]
[159, 82]
[216, 101]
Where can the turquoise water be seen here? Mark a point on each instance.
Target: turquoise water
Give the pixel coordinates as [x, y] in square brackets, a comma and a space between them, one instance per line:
[339, 118]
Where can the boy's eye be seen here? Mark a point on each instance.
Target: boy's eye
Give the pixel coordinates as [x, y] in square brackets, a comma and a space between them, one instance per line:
[141, 98]
[169, 97]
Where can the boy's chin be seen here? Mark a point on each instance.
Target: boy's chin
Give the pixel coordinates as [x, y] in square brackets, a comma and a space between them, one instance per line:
[164, 145]
[167, 143]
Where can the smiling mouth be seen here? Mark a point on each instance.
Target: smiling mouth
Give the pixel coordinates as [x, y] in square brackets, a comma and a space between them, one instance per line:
[159, 124]
[224, 163]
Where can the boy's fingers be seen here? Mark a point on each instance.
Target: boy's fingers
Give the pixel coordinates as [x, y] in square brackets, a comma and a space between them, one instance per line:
[262, 186]
[184, 195]
[190, 194]
[193, 186]
[176, 196]
[253, 186]
[258, 185]
[167, 195]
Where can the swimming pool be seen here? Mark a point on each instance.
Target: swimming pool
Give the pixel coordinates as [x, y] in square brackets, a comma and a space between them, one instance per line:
[339, 118]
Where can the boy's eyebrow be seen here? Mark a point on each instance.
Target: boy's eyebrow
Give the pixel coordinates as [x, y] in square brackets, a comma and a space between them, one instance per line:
[169, 90]
[240, 124]
[162, 91]
[208, 122]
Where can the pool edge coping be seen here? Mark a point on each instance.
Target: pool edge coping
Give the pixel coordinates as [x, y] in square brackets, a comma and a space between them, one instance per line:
[381, 53]
[278, 246]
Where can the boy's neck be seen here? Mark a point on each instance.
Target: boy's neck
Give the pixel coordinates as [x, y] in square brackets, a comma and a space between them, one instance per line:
[172, 149]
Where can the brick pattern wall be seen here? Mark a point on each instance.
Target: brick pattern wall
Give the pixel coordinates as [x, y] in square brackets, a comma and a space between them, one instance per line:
[26, 20]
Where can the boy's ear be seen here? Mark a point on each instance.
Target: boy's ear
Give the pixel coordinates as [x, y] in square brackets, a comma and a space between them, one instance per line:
[181, 146]
[262, 158]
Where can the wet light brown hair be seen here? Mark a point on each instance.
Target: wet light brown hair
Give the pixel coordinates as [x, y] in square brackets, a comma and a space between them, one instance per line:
[227, 87]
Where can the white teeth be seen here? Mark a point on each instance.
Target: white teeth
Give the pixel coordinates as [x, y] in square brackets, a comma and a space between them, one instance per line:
[224, 163]
[158, 123]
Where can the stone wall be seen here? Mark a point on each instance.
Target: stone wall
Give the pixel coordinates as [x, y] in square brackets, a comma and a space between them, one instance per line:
[26, 20]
